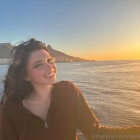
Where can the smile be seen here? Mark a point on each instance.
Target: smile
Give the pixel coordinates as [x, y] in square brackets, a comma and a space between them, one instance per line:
[50, 75]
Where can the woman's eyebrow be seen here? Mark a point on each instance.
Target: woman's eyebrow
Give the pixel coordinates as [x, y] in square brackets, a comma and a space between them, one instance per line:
[40, 60]
[37, 62]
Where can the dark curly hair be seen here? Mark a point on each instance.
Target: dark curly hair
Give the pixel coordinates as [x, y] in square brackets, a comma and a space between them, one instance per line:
[14, 83]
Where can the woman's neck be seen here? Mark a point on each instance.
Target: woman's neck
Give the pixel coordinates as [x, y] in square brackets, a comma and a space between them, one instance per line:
[41, 93]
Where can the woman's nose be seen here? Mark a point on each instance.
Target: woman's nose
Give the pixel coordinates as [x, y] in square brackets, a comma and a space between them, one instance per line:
[50, 65]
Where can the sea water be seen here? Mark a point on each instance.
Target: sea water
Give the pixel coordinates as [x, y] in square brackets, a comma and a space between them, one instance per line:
[111, 88]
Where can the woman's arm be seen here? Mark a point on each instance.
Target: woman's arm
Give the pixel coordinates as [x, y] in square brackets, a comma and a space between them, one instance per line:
[118, 133]
[90, 127]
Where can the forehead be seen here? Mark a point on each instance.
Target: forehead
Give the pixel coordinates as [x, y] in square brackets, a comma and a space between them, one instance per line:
[38, 55]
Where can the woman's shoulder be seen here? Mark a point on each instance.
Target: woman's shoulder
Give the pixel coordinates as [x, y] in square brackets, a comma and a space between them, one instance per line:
[68, 87]
[9, 105]
[66, 84]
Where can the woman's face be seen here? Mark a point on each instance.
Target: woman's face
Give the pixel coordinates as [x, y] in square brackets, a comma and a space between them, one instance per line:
[41, 70]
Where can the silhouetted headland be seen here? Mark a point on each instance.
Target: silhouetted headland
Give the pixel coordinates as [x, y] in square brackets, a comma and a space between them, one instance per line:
[5, 55]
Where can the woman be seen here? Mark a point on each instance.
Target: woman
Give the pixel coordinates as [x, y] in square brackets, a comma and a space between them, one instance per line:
[34, 106]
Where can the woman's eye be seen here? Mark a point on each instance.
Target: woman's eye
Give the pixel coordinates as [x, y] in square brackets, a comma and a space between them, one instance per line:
[37, 65]
[50, 59]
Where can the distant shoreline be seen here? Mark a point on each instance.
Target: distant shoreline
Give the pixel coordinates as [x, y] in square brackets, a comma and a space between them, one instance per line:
[6, 62]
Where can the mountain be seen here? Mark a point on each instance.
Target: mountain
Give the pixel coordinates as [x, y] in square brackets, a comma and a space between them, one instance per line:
[62, 57]
[5, 49]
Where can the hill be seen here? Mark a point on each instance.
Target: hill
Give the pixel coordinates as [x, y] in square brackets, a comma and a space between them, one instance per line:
[5, 49]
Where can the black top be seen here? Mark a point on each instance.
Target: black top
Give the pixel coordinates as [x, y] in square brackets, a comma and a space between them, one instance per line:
[68, 111]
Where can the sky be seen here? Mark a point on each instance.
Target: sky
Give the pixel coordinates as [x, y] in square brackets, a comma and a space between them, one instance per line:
[91, 29]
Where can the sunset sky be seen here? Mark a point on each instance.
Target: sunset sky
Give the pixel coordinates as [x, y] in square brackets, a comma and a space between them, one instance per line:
[92, 29]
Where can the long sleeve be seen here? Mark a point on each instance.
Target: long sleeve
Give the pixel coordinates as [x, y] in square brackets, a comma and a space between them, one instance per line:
[121, 133]
[85, 118]
[8, 130]
[90, 127]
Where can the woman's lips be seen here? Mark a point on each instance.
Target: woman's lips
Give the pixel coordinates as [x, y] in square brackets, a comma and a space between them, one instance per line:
[50, 74]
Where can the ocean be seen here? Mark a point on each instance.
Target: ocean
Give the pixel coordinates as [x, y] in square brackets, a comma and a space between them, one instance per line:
[111, 88]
